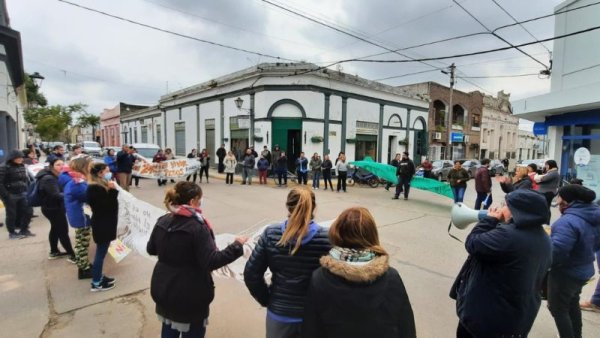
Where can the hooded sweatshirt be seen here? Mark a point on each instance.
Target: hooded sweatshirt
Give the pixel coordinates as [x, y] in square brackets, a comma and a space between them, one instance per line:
[575, 238]
[13, 177]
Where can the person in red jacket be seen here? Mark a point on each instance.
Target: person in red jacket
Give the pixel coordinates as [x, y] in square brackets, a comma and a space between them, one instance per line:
[483, 186]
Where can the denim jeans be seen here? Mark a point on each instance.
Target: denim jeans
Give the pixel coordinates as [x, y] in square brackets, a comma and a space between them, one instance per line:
[316, 178]
[247, 175]
[459, 193]
[302, 177]
[403, 186]
[101, 250]
[481, 196]
[596, 296]
[196, 331]
[563, 303]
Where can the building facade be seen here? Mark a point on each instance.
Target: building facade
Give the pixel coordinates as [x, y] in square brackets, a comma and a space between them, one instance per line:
[142, 126]
[292, 106]
[530, 146]
[466, 120]
[13, 98]
[499, 129]
[569, 116]
[111, 133]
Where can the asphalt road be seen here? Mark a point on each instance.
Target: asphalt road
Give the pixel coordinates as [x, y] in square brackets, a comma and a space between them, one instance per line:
[42, 298]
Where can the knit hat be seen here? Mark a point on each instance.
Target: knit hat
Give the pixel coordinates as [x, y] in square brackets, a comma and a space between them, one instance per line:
[528, 207]
[575, 192]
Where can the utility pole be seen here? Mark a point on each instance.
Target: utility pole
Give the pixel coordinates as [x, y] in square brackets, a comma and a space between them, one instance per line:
[452, 68]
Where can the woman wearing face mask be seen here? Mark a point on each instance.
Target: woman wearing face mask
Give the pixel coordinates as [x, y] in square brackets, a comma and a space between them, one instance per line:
[573, 240]
[184, 242]
[102, 198]
[53, 207]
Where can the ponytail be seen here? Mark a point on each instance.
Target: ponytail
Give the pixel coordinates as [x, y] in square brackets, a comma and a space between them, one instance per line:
[182, 193]
[301, 205]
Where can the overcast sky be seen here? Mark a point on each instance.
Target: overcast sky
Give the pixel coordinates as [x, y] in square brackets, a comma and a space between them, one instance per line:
[97, 60]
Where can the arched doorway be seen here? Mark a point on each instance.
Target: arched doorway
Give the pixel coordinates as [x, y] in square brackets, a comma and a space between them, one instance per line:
[286, 127]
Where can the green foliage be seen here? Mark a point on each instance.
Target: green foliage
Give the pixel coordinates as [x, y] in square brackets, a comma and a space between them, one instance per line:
[316, 139]
[52, 122]
[34, 96]
[88, 120]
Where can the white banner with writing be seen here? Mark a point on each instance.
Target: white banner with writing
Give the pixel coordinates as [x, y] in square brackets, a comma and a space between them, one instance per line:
[166, 169]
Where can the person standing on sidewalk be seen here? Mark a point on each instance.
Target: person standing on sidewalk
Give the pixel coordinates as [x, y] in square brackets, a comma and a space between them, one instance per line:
[248, 166]
[302, 169]
[548, 182]
[326, 166]
[341, 168]
[158, 158]
[125, 162]
[483, 185]
[281, 169]
[221, 153]
[458, 177]
[315, 167]
[53, 208]
[184, 241]
[263, 167]
[204, 159]
[192, 156]
[291, 250]
[275, 155]
[170, 156]
[14, 182]
[405, 172]
[427, 168]
[102, 198]
[230, 163]
[266, 153]
[74, 183]
[575, 237]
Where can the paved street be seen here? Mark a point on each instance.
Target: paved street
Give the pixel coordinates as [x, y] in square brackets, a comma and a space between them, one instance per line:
[41, 298]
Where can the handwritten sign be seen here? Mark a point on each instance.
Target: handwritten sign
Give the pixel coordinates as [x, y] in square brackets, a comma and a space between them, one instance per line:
[166, 169]
[118, 250]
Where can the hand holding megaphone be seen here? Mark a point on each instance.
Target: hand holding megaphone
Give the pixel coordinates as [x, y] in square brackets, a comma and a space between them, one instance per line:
[462, 215]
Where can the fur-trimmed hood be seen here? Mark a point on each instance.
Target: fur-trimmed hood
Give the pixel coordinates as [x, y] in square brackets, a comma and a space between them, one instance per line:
[364, 273]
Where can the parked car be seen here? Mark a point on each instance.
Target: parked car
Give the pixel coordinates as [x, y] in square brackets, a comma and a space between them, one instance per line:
[146, 150]
[539, 163]
[91, 148]
[497, 168]
[441, 169]
[470, 166]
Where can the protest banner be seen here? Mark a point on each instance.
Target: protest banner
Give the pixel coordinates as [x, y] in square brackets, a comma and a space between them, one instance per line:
[166, 169]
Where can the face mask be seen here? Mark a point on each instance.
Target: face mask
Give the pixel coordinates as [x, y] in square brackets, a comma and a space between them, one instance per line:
[108, 176]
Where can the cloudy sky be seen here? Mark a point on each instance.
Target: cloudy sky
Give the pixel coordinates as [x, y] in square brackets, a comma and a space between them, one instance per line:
[98, 60]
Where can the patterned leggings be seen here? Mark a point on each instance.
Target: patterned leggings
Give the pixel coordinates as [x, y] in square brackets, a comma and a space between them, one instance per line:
[82, 243]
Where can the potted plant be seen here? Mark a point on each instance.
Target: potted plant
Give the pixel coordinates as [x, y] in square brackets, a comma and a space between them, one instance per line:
[403, 142]
[316, 139]
[351, 140]
[258, 138]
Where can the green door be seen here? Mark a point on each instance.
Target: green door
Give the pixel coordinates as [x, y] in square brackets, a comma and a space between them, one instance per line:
[287, 133]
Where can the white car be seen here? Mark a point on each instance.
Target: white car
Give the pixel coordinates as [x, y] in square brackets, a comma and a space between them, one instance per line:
[91, 148]
[146, 150]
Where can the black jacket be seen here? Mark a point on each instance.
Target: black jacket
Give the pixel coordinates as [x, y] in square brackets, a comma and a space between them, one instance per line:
[406, 168]
[291, 273]
[13, 177]
[221, 153]
[182, 285]
[105, 212]
[497, 291]
[349, 301]
[524, 183]
[49, 192]
[124, 162]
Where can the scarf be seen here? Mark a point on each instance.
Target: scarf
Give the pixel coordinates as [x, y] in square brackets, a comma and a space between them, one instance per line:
[77, 177]
[189, 211]
[352, 255]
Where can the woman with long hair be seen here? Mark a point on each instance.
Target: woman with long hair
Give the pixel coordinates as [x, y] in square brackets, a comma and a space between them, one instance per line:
[74, 183]
[102, 198]
[291, 250]
[355, 293]
[521, 180]
[53, 207]
[341, 169]
[184, 242]
[548, 182]
[230, 163]
[204, 159]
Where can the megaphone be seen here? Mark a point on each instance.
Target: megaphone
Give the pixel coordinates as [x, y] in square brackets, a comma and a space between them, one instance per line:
[462, 215]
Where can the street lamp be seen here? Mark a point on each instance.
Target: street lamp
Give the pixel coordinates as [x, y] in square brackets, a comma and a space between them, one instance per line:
[37, 79]
[238, 103]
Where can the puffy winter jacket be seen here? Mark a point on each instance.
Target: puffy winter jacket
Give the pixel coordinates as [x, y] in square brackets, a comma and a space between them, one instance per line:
[13, 177]
[263, 164]
[111, 163]
[575, 238]
[105, 212]
[49, 191]
[285, 296]
[75, 197]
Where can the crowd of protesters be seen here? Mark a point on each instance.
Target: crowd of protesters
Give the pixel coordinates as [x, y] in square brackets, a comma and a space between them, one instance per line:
[334, 282]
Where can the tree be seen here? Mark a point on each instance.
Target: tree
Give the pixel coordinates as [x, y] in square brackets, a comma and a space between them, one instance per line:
[34, 96]
[89, 120]
[52, 122]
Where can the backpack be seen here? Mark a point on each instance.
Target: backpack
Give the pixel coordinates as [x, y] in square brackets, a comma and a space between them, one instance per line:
[33, 197]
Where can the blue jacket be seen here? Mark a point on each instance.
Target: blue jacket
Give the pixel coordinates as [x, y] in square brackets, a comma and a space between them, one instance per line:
[263, 164]
[75, 197]
[575, 238]
[111, 163]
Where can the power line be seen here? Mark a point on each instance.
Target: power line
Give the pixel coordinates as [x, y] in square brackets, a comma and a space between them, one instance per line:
[520, 25]
[175, 33]
[497, 76]
[498, 36]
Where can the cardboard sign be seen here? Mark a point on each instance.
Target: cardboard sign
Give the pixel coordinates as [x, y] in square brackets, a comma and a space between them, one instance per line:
[118, 250]
[166, 169]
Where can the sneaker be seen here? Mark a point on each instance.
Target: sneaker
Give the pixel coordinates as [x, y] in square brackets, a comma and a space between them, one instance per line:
[14, 235]
[84, 274]
[109, 280]
[589, 306]
[26, 233]
[103, 286]
[395, 197]
[56, 255]
[72, 259]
